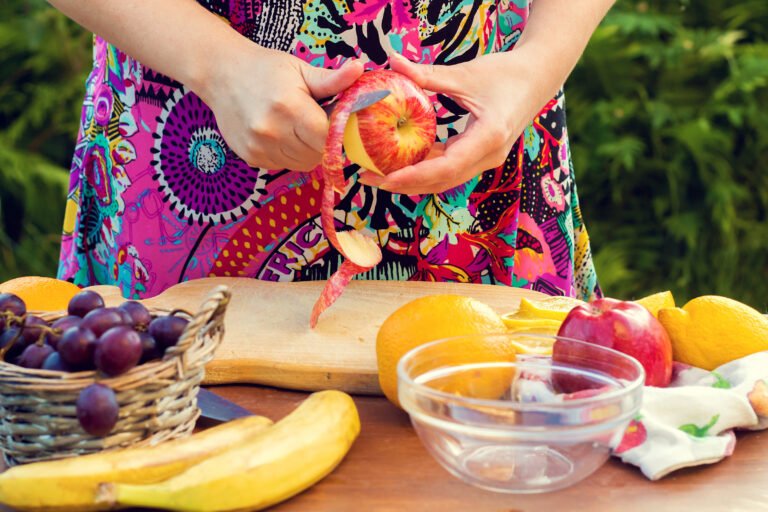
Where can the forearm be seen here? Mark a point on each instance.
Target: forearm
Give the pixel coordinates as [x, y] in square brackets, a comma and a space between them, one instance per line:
[178, 38]
[554, 38]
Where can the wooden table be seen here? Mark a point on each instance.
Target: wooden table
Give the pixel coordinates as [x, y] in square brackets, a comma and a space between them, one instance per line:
[389, 470]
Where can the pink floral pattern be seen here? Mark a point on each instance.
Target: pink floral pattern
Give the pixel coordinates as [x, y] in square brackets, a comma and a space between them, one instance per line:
[157, 197]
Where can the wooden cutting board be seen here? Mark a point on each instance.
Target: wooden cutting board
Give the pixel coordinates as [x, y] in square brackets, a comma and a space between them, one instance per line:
[268, 340]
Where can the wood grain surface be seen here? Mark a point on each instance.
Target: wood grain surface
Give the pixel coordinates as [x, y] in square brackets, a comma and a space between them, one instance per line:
[268, 340]
[388, 470]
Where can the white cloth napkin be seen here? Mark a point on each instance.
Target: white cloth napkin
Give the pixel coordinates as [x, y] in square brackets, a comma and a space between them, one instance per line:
[692, 421]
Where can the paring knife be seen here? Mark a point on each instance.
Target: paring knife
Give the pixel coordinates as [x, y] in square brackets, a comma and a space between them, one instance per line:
[366, 99]
[214, 407]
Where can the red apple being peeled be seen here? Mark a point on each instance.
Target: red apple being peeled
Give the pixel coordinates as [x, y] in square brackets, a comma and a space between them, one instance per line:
[624, 326]
[392, 133]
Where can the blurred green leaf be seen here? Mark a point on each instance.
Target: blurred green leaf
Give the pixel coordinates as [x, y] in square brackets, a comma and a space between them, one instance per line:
[44, 60]
[675, 194]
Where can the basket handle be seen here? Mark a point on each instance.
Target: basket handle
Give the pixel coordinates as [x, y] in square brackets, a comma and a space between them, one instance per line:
[210, 316]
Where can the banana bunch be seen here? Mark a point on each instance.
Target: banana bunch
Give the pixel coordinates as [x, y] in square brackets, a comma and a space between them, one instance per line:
[244, 464]
[72, 484]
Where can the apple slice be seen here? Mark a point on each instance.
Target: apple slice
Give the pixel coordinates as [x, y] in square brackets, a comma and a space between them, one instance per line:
[361, 250]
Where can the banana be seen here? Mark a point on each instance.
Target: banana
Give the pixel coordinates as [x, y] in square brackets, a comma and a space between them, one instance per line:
[280, 462]
[72, 484]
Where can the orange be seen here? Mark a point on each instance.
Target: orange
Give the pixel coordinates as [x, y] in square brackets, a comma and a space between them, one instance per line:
[465, 357]
[41, 293]
[432, 318]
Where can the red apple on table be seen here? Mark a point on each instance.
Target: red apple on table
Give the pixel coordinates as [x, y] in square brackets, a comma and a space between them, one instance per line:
[392, 133]
[624, 326]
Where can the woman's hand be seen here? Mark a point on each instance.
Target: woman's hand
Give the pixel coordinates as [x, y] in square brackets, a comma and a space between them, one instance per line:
[502, 91]
[501, 98]
[266, 109]
[264, 100]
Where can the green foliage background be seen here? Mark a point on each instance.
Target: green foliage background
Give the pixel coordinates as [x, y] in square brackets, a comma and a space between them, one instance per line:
[668, 114]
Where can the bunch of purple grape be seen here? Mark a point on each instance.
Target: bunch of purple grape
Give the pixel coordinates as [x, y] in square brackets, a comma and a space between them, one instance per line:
[92, 337]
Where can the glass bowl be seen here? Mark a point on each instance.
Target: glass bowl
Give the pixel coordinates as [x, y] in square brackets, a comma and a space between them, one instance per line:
[519, 423]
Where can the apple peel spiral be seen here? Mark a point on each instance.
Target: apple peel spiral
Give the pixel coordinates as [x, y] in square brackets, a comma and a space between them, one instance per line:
[405, 118]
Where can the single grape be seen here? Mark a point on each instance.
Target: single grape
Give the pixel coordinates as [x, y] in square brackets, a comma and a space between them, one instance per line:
[101, 320]
[118, 350]
[84, 302]
[32, 329]
[12, 335]
[139, 314]
[126, 316]
[77, 346]
[149, 350]
[60, 326]
[34, 355]
[167, 329]
[97, 409]
[10, 305]
[54, 362]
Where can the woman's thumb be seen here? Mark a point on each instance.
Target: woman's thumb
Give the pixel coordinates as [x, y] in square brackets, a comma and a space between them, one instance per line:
[323, 83]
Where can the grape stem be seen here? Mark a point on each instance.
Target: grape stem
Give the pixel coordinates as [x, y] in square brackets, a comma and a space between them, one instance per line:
[8, 346]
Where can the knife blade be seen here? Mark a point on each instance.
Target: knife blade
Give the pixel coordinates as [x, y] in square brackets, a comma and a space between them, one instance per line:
[214, 407]
[369, 98]
[365, 100]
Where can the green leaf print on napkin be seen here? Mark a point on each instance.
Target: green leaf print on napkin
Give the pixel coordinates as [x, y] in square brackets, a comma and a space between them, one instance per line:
[720, 382]
[695, 431]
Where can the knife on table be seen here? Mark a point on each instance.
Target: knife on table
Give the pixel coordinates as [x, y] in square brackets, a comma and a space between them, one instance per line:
[218, 409]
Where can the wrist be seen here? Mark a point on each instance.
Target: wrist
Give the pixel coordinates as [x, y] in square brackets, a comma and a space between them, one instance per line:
[533, 84]
[216, 63]
[542, 80]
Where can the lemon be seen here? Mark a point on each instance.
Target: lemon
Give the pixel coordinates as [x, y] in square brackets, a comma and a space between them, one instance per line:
[537, 345]
[657, 301]
[436, 317]
[553, 308]
[540, 316]
[41, 293]
[519, 323]
[710, 331]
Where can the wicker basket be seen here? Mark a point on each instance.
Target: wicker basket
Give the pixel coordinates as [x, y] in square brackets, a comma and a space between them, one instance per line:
[158, 400]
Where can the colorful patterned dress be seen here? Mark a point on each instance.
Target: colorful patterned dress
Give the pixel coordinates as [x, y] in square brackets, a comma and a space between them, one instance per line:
[157, 197]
